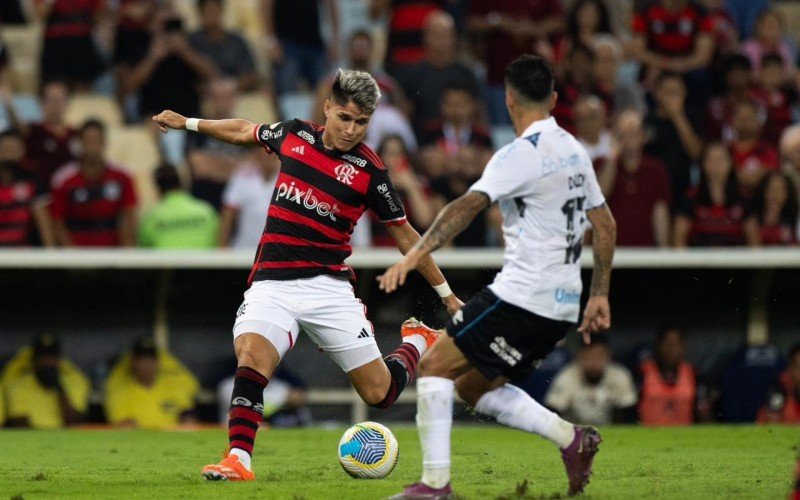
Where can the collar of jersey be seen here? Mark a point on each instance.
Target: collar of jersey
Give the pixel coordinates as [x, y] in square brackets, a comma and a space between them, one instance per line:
[540, 126]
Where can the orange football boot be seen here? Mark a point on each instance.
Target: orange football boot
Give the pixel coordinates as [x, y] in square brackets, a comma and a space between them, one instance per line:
[413, 326]
[229, 469]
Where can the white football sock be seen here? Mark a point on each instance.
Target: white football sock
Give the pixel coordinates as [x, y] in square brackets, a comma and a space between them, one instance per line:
[434, 422]
[513, 407]
[244, 457]
[417, 341]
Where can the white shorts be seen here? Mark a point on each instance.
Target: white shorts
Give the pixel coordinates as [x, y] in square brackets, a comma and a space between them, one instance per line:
[324, 307]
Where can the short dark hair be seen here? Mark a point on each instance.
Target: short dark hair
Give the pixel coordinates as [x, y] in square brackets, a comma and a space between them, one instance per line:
[167, 178]
[665, 328]
[458, 86]
[93, 123]
[736, 61]
[532, 77]
[11, 133]
[772, 58]
[598, 339]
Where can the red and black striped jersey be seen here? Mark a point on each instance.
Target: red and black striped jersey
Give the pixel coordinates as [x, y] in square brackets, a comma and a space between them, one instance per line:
[672, 33]
[319, 196]
[91, 208]
[17, 199]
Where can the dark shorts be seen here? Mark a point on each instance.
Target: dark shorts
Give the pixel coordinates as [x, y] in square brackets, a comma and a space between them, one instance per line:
[499, 338]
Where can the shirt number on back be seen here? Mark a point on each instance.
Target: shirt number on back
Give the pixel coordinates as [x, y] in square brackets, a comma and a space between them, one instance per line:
[571, 209]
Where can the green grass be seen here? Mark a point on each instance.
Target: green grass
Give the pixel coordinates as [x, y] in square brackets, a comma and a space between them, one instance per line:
[489, 462]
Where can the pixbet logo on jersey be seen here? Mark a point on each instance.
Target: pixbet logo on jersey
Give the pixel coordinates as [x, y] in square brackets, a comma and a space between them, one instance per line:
[345, 173]
[306, 199]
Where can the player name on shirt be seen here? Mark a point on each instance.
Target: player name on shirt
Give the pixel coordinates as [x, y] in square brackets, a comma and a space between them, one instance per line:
[319, 195]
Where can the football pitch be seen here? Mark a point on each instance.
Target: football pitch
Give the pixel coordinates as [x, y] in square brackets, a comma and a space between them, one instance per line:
[489, 462]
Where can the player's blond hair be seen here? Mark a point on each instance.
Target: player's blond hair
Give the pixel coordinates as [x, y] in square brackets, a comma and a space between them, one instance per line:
[356, 86]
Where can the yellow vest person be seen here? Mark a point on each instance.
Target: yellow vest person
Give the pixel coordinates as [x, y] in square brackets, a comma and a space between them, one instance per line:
[149, 388]
[44, 390]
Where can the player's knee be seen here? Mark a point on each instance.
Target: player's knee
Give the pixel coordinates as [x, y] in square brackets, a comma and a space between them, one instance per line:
[373, 396]
[432, 365]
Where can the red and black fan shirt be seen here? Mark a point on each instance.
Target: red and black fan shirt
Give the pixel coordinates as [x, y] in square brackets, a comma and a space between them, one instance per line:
[91, 208]
[319, 196]
[17, 201]
[672, 33]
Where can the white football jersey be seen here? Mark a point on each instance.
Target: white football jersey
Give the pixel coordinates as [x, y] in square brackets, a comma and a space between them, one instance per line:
[544, 183]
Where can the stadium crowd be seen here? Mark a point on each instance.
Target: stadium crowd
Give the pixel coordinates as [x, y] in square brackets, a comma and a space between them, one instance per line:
[688, 108]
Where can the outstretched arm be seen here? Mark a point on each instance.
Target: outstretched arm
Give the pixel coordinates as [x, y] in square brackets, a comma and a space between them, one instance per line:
[597, 315]
[450, 222]
[233, 131]
[406, 237]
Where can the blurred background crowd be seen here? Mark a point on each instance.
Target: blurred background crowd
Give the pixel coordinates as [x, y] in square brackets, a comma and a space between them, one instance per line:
[690, 111]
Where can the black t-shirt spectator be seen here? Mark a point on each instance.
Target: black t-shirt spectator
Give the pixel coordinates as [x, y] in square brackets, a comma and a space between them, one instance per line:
[665, 144]
[231, 55]
[173, 85]
[298, 21]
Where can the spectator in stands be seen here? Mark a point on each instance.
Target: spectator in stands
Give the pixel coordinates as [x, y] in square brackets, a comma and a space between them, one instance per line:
[737, 87]
[769, 39]
[593, 389]
[790, 154]
[510, 28]
[726, 37]
[93, 201]
[178, 220]
[170, 74]
[285, 400]
[712, 213]
[783, 400]
[578, 80]
[671, 133]
[414, 193]
[424, 82]
[617, 95]
[131, 46]
[5, 67]
[294, 41]
[776, 96]
[407, 20]
[774, 215]
[246, 200]
[586, 20]
[636, 187]
[591, 130]
[753, 158]
[229, 52]
[745, 14]
[389, 117]
[44, 390]
[51, 143]
[149, 388]
[69, 51]
[675, 36]
[24, 199]
[669, 392]
[212, 162]
[456, 137]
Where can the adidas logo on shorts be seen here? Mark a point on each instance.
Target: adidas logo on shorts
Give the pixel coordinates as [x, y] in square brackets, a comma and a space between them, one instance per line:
[364, 334]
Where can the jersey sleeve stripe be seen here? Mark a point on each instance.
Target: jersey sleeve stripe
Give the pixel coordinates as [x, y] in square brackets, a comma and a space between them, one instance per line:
[396, 222]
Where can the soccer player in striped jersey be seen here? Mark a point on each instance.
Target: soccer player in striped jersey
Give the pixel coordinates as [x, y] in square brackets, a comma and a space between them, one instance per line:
[299, 280]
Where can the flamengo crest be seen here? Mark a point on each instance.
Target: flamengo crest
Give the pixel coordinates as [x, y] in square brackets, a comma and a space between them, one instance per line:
[345, 173]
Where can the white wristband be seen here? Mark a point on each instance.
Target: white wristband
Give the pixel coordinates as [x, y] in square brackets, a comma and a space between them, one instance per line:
[443, 290]
[192, 124]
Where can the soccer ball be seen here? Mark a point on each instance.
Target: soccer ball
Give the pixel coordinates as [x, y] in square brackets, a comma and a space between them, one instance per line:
[368, 451]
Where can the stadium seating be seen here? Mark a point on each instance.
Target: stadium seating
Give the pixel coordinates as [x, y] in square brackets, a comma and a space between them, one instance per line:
[134, 148]
[84, 106]
[256, 107]
[24, 44]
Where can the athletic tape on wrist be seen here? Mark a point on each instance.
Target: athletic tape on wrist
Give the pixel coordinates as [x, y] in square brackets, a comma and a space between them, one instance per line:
[443, 290]
[192, 124]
